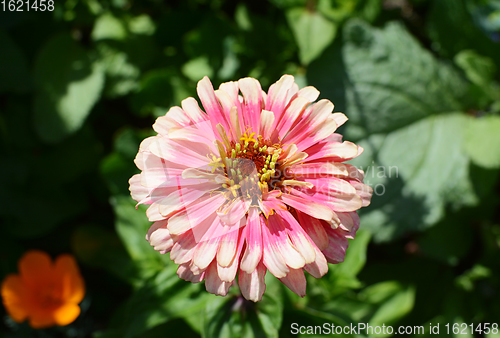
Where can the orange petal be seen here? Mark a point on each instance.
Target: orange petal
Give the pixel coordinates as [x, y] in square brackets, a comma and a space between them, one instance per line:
[66, 314]
[41, 319]
[35, 268]
[73, 286]
[14, 297]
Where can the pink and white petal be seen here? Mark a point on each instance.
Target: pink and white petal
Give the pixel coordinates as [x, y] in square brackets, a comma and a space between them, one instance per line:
[364, 191]
[195, 214]
[292, 113]
[349, 222]
[205, 252]
[227, 249]
[333, 151]
[296, 281]
[231, 88]
[300, 239]
[186, 153]
[153, 213]
[280, 241]
[233, 212]
[277, 96]
[253, 238]
[228, 273]
[266, 123]
[313, 227]
[335, 253]
[319, 267]
[271, 256]
[305, 204]
[252, 285]
[183, 249]
[213, 283]
[184, 272]
[159, 237]
[339, 118]
[137, 190]
[251, 90]
[211, 104]
[193, 111]
[309, 92]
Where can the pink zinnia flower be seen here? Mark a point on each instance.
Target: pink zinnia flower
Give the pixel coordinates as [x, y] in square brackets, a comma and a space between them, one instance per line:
[255, 183]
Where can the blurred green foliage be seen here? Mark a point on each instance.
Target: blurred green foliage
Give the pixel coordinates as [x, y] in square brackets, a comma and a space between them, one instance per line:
[81, 86]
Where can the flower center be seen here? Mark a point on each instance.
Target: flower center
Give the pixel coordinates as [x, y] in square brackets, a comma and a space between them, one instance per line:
[251, 165]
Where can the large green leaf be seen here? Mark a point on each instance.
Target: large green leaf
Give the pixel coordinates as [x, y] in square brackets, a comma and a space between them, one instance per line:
[404, 108]
[68, 85]
[313, 32]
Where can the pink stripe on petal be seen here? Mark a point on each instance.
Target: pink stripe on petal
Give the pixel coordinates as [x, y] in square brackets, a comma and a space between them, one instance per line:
[277, 96]
[213, 283]
[303, 203]
[211, 104]
[332, 151]
[253, 237]
[292, 112]
[272, 257]
[252, 285]
[195, 214]
[313, 227]
[252, 95]
[300, 239]
[279, 240]
[295, 281]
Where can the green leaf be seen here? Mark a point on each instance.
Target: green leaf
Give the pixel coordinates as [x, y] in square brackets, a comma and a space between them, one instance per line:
[395, 301]
[479, 69]
[108, 27]
[402, 104]
[14, 73]
[312, 31]
[68, 85]
[122, 76]
[234, 316]
[482, 141]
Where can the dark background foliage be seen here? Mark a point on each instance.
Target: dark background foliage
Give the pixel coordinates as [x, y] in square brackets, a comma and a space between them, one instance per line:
[80, 87]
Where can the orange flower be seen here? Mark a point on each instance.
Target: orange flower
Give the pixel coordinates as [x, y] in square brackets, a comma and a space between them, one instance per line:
[45, 292]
